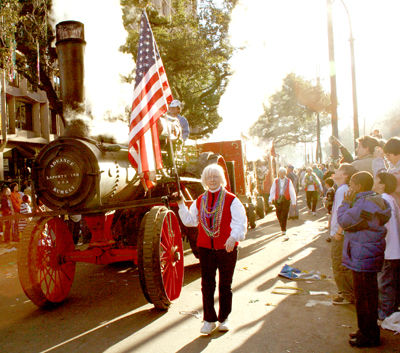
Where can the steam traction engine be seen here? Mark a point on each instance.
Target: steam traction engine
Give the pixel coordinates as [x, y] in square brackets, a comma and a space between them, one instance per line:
[76, 175]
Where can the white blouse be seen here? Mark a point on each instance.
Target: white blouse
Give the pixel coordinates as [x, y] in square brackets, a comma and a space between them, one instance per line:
[190, 217]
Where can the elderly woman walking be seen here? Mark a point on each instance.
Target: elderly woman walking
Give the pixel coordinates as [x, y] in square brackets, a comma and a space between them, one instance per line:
[282, 195]
[222, 223]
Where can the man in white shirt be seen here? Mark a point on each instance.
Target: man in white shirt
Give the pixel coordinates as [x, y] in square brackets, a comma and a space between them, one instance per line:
[389, 277]
[342, 275]
[282, 194]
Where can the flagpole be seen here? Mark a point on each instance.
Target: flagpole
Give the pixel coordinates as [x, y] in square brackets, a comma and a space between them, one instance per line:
[171, 148]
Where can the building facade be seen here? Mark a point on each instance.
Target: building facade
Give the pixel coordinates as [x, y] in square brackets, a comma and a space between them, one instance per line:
[27, 123]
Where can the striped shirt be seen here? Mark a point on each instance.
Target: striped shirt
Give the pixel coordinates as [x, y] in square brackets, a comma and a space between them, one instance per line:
[25, 208]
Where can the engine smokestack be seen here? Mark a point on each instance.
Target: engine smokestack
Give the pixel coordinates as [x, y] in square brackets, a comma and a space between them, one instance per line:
[70, 47]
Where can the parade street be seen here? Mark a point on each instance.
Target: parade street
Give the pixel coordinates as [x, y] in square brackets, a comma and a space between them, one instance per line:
[107, 312]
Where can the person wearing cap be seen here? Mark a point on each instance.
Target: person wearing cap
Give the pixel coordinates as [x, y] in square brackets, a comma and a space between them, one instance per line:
[174, 110]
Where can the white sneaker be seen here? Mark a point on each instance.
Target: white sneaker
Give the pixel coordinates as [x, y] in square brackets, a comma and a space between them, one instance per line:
[208, 327]
[313, 213]
[223, 326]
[284, 233]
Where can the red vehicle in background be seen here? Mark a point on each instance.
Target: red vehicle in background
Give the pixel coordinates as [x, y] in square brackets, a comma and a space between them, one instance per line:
[242, 174]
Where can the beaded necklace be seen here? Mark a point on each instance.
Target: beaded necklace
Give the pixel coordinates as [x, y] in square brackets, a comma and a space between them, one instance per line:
[361, 197]
[215, 213]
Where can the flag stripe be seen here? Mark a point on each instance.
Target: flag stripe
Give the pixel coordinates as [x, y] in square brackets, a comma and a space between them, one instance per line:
[141, 111]
[151, 97]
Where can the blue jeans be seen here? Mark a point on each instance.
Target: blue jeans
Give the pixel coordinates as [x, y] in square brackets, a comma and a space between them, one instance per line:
[389, 288]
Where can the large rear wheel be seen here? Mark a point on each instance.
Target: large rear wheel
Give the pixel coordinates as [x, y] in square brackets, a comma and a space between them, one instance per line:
[161, 260]
[45, 276]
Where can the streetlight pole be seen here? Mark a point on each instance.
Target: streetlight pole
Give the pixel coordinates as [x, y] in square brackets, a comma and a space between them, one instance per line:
[334, 117]
[353, 80]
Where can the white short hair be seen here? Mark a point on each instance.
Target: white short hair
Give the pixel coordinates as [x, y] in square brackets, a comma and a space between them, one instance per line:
[213, 169]
[282, 169]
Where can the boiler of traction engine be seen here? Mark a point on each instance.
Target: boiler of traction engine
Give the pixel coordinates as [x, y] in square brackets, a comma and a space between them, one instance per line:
[73, 173]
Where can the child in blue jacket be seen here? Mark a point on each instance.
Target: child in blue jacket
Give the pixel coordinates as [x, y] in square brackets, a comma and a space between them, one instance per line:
[362, 216]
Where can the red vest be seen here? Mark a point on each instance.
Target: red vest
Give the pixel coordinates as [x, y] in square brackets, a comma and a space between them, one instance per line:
[203, 240]
[287, 193]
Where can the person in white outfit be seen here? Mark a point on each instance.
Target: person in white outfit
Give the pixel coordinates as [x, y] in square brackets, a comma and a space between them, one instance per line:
[389, 277]
[342, 275]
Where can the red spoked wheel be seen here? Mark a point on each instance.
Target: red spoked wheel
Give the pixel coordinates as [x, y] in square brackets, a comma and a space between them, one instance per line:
[161, 264]
[45, 276]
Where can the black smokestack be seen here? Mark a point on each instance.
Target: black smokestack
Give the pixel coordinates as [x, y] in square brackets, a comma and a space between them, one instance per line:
[70, 47]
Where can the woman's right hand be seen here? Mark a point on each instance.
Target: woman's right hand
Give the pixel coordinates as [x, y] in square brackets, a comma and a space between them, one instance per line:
[180, 201]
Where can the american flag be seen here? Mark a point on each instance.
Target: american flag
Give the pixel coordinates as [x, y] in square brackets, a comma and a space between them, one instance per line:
[151, 97]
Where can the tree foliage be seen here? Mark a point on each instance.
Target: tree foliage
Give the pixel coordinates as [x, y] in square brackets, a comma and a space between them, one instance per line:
[194, 47]
[195, 51]
[29, 31]
[9, 18]
[291, 115]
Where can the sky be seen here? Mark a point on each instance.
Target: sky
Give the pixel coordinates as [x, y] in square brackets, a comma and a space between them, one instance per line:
[104, 63]
[279, 36]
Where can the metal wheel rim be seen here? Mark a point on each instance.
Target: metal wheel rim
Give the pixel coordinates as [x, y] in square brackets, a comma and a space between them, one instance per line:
[44, 274]
[55, 276]
[171, 256]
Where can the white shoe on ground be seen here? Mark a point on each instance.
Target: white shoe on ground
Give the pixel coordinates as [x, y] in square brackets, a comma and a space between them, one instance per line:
[208, 327]
[283, 232]
[313, 213]
[223, 326]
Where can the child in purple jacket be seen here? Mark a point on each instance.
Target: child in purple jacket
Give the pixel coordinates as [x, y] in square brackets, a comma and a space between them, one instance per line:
[362, 216]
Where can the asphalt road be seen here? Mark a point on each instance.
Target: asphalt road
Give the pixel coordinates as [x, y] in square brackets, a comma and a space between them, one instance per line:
[107, 312]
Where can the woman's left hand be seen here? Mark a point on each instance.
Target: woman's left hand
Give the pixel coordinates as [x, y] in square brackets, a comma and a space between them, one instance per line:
[230, 244]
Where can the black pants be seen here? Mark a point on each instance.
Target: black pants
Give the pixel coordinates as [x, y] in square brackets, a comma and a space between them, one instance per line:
[366, 294]
[225, 262]
[282, 212]
[312, 200]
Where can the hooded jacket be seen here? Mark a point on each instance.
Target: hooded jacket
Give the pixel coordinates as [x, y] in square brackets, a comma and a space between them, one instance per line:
[363, 222]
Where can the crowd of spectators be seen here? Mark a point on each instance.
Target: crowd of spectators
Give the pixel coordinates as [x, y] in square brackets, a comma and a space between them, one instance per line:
[15, 199]
[362, 197]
